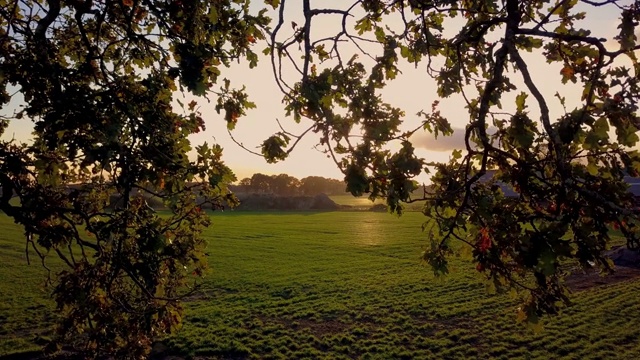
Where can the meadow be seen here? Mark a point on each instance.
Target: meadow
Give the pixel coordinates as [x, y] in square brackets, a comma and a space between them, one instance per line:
[340, 285]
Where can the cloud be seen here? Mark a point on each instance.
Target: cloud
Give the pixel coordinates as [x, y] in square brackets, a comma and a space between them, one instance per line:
[426, 140]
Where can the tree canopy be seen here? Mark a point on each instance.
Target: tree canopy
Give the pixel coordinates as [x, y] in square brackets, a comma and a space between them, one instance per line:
[99, 78]
[567, 168]
[284, 184]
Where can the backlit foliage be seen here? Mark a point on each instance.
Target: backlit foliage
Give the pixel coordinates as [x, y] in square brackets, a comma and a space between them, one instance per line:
[566, 168]
[99, 79]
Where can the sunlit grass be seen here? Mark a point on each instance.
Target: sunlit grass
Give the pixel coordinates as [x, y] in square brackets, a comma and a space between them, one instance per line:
[341, 285]
[350, 200]
[364, 203]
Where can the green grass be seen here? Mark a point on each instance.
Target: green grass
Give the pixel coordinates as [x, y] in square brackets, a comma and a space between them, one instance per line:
[25, 307]
[342, 285]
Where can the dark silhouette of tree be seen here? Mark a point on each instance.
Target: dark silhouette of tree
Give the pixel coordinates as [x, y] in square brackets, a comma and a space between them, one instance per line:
[245, 182]
[313, 185]
[261, 183]
[284, 184]
[98, 80]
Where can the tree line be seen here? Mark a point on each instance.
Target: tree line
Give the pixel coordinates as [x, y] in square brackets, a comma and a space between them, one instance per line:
[287, 185]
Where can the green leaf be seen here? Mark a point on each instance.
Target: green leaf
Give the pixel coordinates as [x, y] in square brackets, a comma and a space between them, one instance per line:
[379, 34]
[521, 129]
[547, 263]
[213, 15]
[627, 36]
[601, 128]
[273, 3]
[273, 148]
[520, 101]
[357, 180]
[586, 91]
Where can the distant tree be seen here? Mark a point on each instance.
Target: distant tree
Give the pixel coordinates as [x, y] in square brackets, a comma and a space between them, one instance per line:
[313, 185]
[261, 183]
[243, 186]
[284, 184]
[245, 182]
[336, 187]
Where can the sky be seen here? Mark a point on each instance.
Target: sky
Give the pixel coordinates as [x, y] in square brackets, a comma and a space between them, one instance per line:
[412, 91]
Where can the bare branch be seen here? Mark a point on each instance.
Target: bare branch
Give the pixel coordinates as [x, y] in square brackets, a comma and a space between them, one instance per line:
[242, 145]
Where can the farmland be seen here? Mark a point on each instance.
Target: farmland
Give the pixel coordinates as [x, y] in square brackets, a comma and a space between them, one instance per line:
[340, 285]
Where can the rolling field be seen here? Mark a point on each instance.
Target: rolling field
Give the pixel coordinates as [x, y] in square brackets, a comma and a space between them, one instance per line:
[341, 285]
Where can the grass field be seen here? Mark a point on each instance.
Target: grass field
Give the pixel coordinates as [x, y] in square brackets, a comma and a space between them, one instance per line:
[342, 285]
